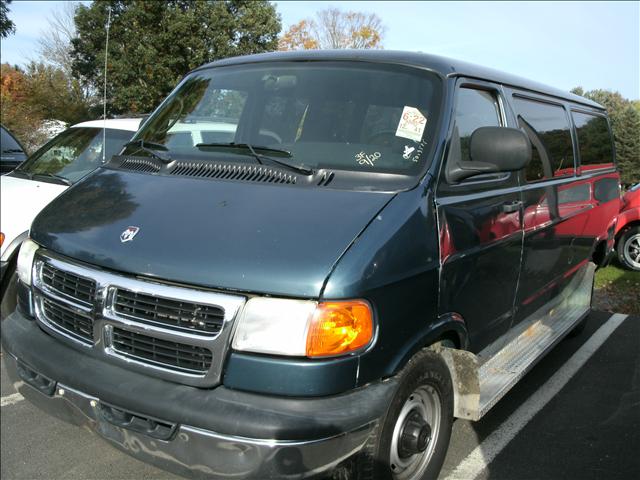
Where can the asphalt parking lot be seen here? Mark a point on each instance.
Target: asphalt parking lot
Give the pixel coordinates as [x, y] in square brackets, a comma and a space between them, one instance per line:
[576, 415]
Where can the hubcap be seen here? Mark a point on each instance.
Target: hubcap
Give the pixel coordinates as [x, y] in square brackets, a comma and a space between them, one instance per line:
[414, 434]
[632, 250]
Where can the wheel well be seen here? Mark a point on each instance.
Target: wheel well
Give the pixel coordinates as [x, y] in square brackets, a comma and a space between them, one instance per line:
[12, 263]
[635, 223]
[599, 255]
[450, 336]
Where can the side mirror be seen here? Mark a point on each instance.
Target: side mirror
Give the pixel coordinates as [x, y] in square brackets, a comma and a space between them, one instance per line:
[492, 150]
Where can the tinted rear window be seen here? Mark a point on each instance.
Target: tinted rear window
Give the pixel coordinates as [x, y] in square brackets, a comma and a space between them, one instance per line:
[594, 141]
[548, 129]
[8, 142]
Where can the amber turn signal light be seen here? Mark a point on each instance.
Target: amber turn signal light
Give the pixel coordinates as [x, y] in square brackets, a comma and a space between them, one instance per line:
[339, 327]
[1, 239]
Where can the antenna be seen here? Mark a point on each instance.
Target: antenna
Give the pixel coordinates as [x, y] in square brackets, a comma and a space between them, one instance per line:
[104, 96]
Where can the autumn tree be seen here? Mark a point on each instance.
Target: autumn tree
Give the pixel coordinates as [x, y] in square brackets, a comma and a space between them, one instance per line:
[17, 113]
[625, 123]
[153, 44]
[334, 29]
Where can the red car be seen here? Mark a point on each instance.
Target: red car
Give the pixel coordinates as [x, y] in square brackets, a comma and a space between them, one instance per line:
[628, 229]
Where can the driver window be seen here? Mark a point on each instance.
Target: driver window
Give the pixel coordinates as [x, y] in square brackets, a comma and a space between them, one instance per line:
[474, 109]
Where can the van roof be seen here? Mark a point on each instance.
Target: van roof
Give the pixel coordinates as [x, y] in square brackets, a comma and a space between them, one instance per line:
[447, 67]
[130, 124]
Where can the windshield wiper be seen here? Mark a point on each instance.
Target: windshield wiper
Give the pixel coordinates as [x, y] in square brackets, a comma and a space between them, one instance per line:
[13, 150]
[259, 157]
[149, 147]
[60, 178]
[21, 171]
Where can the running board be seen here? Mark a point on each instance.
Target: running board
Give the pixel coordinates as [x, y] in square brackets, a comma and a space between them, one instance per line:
[480, 381]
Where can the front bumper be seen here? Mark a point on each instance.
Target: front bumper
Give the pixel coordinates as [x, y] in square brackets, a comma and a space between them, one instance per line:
[202, 433]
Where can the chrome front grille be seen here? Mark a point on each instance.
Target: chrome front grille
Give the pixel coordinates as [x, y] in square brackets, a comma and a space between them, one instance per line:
[166, 354]
[169, 331]
[169, 313]
[66, 283]
[74, 323]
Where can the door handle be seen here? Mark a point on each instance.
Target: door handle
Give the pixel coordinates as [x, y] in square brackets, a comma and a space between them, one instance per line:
[511, 207]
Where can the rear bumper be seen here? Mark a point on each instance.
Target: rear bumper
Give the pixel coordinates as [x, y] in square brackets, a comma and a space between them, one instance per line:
[212, 433]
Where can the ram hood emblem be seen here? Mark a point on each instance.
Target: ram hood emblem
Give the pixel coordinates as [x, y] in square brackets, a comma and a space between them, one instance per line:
[128, 234]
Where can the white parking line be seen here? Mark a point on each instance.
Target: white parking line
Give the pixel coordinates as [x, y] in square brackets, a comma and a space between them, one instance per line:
[11, 399]
[484, 453]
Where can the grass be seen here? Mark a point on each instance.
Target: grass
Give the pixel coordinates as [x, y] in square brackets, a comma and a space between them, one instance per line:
[615, 274]
[617, 290]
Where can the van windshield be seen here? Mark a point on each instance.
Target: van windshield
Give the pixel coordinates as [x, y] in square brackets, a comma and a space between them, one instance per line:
[340, 115]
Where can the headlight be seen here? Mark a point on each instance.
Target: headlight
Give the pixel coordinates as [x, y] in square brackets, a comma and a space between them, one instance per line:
[304, 328]
[25, 260]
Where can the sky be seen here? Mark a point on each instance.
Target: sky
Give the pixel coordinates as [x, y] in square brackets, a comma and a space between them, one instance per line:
[562, 44]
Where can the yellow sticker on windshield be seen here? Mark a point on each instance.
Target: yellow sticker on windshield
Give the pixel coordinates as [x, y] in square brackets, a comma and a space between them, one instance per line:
[412, 124]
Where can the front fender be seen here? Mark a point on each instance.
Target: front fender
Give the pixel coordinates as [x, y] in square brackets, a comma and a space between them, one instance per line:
[394, 264]
[14, 246]
[627, 217]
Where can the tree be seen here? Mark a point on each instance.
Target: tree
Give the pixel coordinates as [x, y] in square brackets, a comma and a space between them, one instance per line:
[31, 97]
[299, 37]
[625, 123]
[54, 95]
[7, 27]
[55, 62]
[152, 44]
[55, 43]
[16, 112]
[335, 29]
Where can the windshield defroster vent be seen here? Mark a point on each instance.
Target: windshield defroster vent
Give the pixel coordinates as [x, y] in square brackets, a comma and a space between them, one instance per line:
[248, 173]
[140, 165]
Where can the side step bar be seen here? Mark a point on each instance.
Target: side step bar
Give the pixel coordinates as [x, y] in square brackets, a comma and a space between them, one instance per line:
[480, 381]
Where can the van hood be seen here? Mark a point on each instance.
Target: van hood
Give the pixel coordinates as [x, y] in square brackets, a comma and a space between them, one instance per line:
[252, 237]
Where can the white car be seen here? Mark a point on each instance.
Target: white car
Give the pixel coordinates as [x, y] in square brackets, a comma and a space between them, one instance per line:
[61, 162]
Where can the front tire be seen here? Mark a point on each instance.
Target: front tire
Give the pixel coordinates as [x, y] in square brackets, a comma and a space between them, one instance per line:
[412, 442]
[628, 249]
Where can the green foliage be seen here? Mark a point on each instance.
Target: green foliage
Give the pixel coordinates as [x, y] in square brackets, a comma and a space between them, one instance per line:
[54, 95]
[153, 44]
[625, 122]
[7, 27]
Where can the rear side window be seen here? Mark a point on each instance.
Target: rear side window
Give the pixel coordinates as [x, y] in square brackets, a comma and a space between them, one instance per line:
[606, 189]
[594, 141]
[547, 127]
[474, 109]
[9, 145]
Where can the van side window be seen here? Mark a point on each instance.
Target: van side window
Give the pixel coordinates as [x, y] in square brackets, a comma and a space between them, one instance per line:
[594, 141]
[474, 109]
[547, 127]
